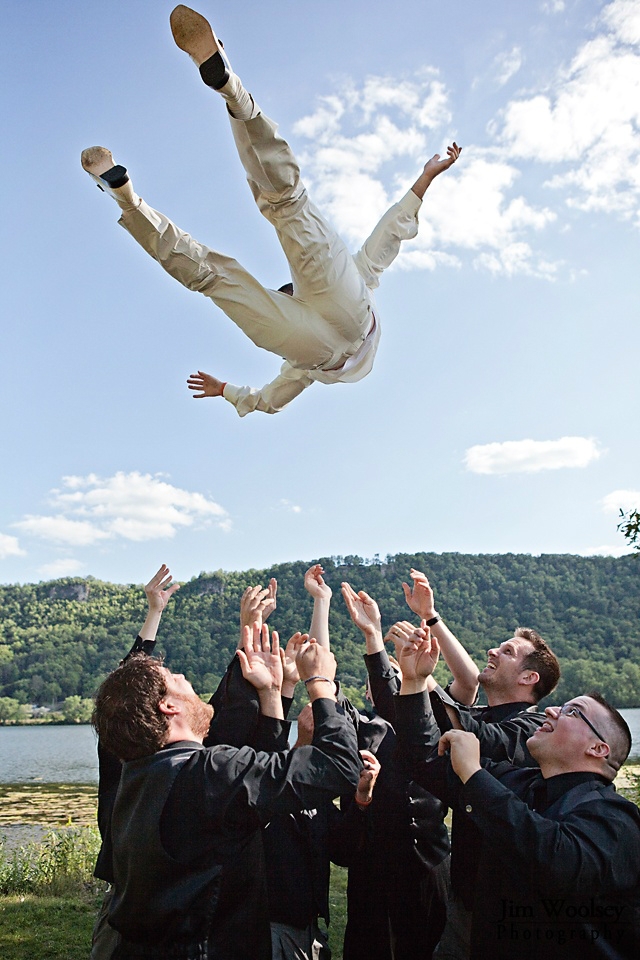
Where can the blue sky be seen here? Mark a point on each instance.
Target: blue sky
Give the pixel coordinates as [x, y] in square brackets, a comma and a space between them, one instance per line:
[502, 412]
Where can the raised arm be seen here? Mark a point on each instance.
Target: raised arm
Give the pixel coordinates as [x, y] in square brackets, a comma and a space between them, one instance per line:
[365, 614]
[158, 591]
[419, 597]
[321, 592]
[271, 398]
[399, 223]
[383, 680]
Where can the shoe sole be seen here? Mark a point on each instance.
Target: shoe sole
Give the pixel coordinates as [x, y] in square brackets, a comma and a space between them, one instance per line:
[193, 34]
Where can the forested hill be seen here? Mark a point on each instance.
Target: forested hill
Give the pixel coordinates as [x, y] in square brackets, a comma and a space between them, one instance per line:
[60, 638]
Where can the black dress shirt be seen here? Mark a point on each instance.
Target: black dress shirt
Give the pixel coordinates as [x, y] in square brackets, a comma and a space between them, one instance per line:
[561, 881]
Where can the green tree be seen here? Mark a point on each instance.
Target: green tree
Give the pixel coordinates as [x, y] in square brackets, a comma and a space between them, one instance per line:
[12, 711]
[629, 527]
[77, 709]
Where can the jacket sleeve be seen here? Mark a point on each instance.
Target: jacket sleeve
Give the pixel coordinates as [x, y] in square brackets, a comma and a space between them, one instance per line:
[595, 845]
[274, 396]
[384, 684]
[503, 740]
[236, 710]
[379, 250]
[291, 780]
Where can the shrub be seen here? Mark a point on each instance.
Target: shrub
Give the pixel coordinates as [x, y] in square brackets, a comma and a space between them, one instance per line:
[62, 863]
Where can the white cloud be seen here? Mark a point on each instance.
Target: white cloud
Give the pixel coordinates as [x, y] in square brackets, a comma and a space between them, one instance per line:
[530, 456]
[129, 506]
[9, 547]
[588, 119]
[290, 507]
[605, 551]
[365, 150]
[623, 17]
[621, 500]
[64, 567]
[507, 64]
[553, 6]
[60, 529]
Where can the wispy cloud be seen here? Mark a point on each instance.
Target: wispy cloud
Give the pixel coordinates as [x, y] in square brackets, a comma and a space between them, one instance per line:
[9, 547]
[64, 567]
[553, 6]
[621, 500]
[129, 506]
[367, 146]
[531, 456]
[606, 550]
[289, 506]
[506, 65]
[588, 119]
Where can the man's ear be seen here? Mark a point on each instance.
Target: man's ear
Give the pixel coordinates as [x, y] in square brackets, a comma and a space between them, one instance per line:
[529, 678]
[170, 706]
[599, 750]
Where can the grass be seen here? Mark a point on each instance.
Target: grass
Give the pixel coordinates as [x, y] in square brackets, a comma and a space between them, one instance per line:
[46, 927]
[338, 910]
[48, 896]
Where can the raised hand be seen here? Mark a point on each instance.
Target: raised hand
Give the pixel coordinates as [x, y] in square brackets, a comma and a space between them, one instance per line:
[315, 585]
[417, 651]
[159, 590]
[363, 610]
[256, 604]
[419, 595]
[289, 665]
[269, 603]
[261, 658]
[435, 165]
[205, 384]
[314, 660]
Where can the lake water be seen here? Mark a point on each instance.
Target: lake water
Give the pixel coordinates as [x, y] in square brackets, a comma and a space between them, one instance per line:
[67, 754]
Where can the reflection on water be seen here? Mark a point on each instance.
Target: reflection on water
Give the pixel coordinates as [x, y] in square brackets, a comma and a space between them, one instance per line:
[67, 754]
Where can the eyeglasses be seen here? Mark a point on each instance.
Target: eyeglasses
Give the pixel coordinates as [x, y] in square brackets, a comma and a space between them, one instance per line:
[570, 710]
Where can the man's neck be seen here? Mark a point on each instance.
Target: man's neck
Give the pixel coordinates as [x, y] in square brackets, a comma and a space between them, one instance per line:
[551, 768]
[181, 731]
[497, 699]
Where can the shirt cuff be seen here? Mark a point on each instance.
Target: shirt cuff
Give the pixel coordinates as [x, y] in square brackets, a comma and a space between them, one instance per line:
[479, 790]
[411, 707]
[231, 393]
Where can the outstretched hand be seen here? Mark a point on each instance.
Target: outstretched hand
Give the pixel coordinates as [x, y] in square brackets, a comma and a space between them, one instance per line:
[435, 165]
[315, 585]
[256, 604]
[363, 610]
[417, 651]
[419, 595]
[159, 590]
[261, 658]
[205, 384]
[314, 660]
[289, 665]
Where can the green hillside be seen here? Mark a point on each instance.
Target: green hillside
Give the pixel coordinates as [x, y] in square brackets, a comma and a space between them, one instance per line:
[59, 638]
